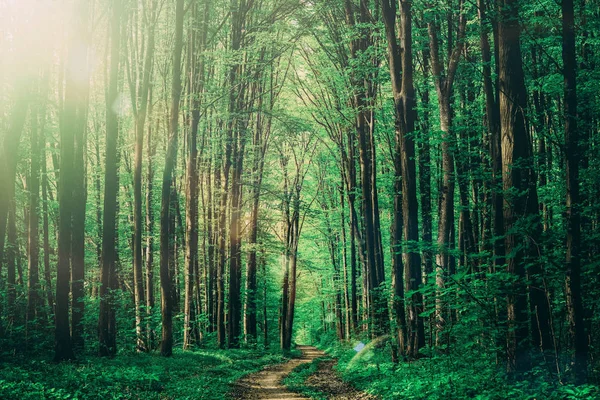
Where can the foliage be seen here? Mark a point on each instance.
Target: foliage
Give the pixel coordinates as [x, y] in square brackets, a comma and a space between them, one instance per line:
[472, 375]
[187, 375]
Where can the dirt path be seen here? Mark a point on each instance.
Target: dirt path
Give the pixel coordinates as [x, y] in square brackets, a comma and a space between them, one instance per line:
[267, 384]
[327, 381]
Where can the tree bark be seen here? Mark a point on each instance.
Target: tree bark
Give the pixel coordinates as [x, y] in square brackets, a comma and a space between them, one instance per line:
[140, 124]
[520, 201]
[166, 347]
[444, 80]
[34, 300]
[107, 321]
[573, 200]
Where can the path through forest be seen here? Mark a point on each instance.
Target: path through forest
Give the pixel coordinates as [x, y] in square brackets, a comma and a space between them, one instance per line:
[268, 384]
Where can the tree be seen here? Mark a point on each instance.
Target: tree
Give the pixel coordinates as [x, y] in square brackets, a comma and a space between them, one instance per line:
[141, 92]
[520, 200]
[405, 201]
[573, 202]
[108, 279]
[444, 81]
[166, 280]
[191, 195]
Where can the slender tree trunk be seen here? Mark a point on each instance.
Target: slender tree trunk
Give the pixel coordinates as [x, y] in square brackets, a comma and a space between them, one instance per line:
[12, 254]
[151, 150]
[166, 348]
[260, 144]
[444, 80]
[138, 222]
[78, 222]
[235, 246]
[573, 200]
[46, 230]
[406, 205]
[349, 328]
[34, 300]
[354, 231]
[107, 322]
[9, 151]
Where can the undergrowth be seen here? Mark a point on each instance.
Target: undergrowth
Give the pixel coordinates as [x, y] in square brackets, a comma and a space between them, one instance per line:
[202, 374]
[470, 376]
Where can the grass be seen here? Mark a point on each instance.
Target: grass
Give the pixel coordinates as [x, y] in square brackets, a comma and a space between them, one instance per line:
[470, 376]
[202, 374]
[295, 381]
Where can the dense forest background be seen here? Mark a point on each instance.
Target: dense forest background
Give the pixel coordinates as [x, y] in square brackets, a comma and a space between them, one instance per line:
[194, 176]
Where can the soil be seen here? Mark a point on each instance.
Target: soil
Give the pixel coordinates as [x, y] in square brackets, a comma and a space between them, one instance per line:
[327, 381]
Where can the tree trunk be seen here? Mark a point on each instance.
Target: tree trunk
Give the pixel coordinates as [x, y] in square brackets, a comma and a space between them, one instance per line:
[9, 151]
[79, 209]
[493, 126]
[444, 80]
[34, 300]
[151, 150]
[363, 97]
[235, 245]
[107, 322]
[12, 254]
[166, 348]
[573, 201]
[138, 222]
[520, 201]
[46, 229]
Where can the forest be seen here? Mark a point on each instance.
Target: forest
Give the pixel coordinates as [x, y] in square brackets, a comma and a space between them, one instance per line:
[377, 199]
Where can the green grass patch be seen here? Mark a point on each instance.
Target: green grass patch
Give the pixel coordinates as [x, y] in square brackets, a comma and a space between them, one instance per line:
[296, 380]
[202, 374]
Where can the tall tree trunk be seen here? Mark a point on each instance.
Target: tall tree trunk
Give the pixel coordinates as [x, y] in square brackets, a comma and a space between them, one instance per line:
[34, 300]
[166, 348]
[573, 200]
[405, 203]
[12, 253]
[349, 328]
[260, 145]
[350, 178]
[9, 151]
[72, 132]
[46, 229]
[520, 201]
[140, 125]
[444, 80]
[151, 151]
[107, 321]
[492, 113]
[196, 78]
[425, 189]
[79, 209]
[363, 96]
[235, 245]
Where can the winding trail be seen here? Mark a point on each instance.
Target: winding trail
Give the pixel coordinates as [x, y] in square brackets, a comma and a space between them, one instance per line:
[267, 384]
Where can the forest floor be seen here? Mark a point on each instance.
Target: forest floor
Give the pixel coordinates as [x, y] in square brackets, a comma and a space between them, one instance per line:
[319, 381]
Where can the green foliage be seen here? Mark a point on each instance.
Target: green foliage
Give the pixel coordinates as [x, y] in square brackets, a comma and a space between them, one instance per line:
[440, 376]
[187, 375]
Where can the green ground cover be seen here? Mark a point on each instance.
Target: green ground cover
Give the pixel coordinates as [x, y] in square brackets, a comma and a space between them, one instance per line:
[202, 374]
